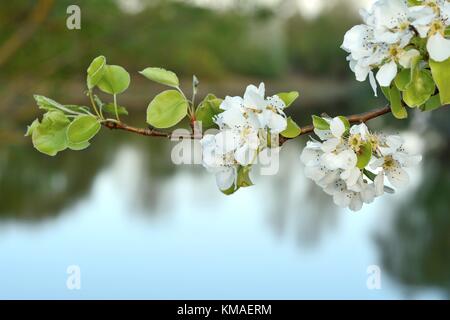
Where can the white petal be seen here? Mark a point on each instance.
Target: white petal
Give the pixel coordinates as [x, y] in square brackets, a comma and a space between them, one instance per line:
[368, 193]
[387, 73]
[342, 199]
[244, 155]
[390, 13]
[376, 162]
[337, 127]
[314, 173]
[323, 134]
[361, 72]
[331, 179]
[351, 176]
[276, 102]
[254, 97]
[276, 123]
[226, 141]
[310, 157]
[346, 159]
[356, 203]
[406, 58]
[330, 145]
[438, 47]
[379, 184]
[373, 83]
[394, 142]
[407, 160]
[231, 117]
[354, 41]
[398, 177]
[422, 17]
[360, 129]
[231, 102]
[225, 178]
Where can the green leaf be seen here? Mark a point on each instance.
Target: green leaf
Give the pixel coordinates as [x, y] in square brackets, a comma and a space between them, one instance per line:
[364, 155]
[403, 79]
[370, 174]
[207, 109]
[115, 80]
[48, 104]
[161, 76]
[386, 93]
[415, 2]
[243, 178]
[288, 97]
[397, 108]
[109, 108]
[167, 109]
[345, 122]
[95, 71]
[441, 75]
[78, 146]
[420, 90]
[433, 103]
[82, 129]
[77, 108]
[292, 129]
[31, 127]
[49, 137]
[230, 190]
[320, 123]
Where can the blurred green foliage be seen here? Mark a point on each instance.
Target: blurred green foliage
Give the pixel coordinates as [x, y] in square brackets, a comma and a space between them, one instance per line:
[178, 36]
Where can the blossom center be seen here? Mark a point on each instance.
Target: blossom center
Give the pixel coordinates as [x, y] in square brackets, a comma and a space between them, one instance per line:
[437, 27]
[389, 163]
[355, 142]
[395, 51]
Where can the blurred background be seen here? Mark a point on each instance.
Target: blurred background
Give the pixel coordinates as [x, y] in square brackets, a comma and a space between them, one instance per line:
[140, 227]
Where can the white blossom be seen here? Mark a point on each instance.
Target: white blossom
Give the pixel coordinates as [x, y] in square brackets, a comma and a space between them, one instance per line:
[384, 43]
[332, 163]
[242, 125]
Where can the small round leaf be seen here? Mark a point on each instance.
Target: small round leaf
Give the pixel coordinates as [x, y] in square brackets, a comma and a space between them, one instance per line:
[162, 76]
[288, 97]
[82, 129]
[292, 129]
[115, 80]
[95, 71]
[167, 109]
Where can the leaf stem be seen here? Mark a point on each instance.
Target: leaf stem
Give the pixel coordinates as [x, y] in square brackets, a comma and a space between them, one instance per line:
[94, 105]
[115, 107]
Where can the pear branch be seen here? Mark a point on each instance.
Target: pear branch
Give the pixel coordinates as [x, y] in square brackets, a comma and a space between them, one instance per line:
[150, 132]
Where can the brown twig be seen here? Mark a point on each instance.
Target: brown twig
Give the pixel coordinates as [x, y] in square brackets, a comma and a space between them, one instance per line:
[149, 132]
[141, 131]
[356, 118]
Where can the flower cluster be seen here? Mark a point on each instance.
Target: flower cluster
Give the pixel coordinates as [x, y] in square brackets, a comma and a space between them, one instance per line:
[394, 35]
[244, 124]
[352, 164]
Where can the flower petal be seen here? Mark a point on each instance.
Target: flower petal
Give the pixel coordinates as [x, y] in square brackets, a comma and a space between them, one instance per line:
[398, 177]
[225, 178]
[379, 184]
[226, 141]
[438, 47]
[387, 73]
[254, 97]
[373, 83]
[245, 155]
[337, 127]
